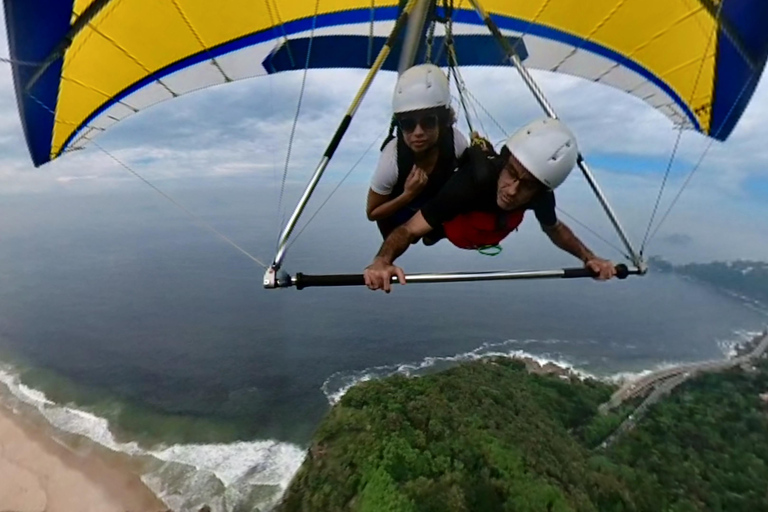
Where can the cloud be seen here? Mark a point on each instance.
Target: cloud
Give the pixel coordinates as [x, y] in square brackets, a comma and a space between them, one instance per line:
[677, 239]
[67, 179]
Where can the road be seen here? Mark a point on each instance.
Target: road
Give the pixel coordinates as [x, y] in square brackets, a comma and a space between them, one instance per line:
[668, 379]
[664, 389]
[642, 385]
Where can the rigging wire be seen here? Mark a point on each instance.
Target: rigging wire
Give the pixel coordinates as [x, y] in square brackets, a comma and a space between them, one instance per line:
[520, 39]
[183, 208]
[453, 64]
[661, 188]
[20, 62]
[296, 120]
[744, 89]
[282, 28]
[595, 233]
[680, 130]
[485, 110]
[338, 185]
[462, 89]
[683, 187]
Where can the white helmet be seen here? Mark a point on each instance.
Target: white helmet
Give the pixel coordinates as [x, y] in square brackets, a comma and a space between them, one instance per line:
[547, 149]
[421, 87]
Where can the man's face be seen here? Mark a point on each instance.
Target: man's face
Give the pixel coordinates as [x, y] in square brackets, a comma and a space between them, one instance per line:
[420, 129]
[516, 186]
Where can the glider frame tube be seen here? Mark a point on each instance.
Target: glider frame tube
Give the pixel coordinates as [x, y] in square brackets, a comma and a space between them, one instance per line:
[270, 277]
[513, 57]
[416, 22]
[275, 277]
[301, 281]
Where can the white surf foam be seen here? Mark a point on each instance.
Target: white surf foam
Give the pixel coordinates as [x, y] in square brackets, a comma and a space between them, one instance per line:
[261, 462]
[624, 377]
[19, 390]
[185, 476]
[337, 385]
[727, 346]
[224, 476]
[65, 418]
[740, 337]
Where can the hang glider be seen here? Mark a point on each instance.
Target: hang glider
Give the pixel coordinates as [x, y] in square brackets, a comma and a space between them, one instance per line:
[97, 62]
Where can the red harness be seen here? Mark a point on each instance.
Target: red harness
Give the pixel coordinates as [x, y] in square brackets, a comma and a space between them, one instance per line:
[474, 230]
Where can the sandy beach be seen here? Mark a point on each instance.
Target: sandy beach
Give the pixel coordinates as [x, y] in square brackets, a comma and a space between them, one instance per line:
[37, 474]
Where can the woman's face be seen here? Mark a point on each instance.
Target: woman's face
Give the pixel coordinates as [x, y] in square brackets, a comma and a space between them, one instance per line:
[421, 129]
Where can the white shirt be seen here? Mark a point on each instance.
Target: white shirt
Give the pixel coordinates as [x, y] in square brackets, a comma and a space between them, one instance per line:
[385, 176]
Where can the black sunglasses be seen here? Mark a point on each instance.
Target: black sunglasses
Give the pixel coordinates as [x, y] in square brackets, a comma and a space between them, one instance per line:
[408, 124]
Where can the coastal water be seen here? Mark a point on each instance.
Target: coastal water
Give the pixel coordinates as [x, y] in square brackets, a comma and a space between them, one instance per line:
[123, 321]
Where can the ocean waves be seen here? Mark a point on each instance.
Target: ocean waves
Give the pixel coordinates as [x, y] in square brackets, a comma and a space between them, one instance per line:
[248, 475]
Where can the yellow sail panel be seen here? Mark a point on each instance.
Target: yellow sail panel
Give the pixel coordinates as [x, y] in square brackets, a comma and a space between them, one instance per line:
[130, 40]
[78, 7]
[675, 42]
[675, 56]
[81, 5]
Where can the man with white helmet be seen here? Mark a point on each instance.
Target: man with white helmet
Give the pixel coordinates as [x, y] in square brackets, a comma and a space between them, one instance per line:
[487, 197]
[415, 164]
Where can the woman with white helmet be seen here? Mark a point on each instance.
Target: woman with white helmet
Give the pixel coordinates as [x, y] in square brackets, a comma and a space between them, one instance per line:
[487, 198]
[415, 164]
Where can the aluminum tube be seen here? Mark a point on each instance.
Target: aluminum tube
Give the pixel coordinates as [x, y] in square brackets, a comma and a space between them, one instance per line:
[383, 54]
[413, 32]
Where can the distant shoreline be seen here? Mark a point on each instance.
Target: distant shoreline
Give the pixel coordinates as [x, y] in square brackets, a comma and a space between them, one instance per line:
[550, 368]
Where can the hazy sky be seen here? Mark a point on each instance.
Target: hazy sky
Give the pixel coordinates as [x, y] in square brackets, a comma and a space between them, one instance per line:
[240, 131]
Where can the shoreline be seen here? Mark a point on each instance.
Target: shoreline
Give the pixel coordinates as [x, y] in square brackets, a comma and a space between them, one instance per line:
[41, 474]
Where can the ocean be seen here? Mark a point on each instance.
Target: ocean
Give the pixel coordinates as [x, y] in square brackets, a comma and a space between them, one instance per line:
[125, 324]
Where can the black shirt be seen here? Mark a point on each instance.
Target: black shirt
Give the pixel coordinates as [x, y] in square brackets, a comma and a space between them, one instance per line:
[473, 188]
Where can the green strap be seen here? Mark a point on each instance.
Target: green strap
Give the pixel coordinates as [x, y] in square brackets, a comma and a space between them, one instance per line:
[489, 250]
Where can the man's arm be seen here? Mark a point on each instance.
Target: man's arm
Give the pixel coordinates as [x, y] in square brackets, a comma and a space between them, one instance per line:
[562, 236]
[452, 199]
[378, 275]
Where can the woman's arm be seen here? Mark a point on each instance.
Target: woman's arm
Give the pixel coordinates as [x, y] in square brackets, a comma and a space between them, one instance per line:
[380, 207]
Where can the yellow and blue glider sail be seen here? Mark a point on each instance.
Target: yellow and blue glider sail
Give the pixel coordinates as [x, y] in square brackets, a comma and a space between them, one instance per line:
[99, 61]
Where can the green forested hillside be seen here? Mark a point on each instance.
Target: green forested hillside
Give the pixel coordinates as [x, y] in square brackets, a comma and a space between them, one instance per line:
[489, 436]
